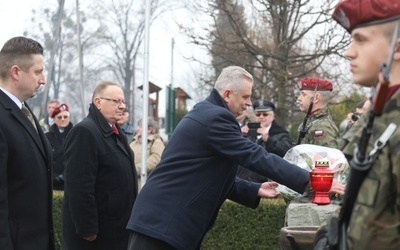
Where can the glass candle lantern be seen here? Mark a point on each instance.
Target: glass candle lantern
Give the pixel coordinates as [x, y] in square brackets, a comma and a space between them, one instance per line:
[321, 181]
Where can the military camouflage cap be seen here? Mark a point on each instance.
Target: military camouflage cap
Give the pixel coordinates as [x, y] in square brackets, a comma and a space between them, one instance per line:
[353, 14]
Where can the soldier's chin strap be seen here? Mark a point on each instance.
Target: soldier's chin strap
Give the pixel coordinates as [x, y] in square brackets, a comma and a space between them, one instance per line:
[303, 129]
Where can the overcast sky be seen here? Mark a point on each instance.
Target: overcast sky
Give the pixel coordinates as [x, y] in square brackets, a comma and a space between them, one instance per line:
[15, 19]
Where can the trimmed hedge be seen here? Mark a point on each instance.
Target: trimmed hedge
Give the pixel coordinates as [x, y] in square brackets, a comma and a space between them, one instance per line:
[239, 227]
[57, 216]
[236, 227]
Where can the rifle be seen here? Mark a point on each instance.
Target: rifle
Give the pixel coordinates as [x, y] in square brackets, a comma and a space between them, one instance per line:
[361, 162]
[303, 129]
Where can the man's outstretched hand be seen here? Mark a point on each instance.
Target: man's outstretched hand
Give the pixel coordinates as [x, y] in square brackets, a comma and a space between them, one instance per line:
[268, 190]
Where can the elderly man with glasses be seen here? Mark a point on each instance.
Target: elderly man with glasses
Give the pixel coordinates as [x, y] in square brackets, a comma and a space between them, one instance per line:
[56, 136]
[100, 176]
[270, 135]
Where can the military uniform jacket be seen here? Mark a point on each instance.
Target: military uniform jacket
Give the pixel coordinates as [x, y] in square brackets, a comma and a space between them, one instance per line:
[26, 220]
[44, 124]
[321, 130]
[197, 172]
[375, 220]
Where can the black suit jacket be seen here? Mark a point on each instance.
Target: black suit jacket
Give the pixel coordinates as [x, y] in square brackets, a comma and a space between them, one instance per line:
[25, 181]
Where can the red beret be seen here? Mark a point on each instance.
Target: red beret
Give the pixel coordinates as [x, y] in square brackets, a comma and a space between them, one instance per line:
[59, 109]
[312, 83]
[353, 14]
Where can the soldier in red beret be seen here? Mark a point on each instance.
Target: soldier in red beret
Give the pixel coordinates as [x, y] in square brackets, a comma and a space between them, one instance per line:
[56, 136]
[375, 216]
[319, 128]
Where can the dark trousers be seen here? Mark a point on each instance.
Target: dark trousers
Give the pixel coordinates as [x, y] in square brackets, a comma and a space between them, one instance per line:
[138, 241]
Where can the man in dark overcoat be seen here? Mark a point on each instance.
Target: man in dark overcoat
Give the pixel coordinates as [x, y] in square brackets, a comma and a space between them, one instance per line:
[197, 172]
[56, 136]
[100, 176]
[25, 154]
[271, 136]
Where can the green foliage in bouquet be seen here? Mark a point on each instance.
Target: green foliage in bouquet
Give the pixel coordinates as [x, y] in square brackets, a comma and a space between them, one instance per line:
[304, 156]
[308, 160]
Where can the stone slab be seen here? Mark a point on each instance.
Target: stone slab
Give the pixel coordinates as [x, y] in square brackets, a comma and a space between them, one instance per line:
[308, 214]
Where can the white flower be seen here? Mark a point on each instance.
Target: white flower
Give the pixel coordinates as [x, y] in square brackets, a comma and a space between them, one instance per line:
[305, 155]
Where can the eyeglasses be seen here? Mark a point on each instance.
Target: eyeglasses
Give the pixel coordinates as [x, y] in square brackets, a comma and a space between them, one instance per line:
[115, 101]
[265, 114]
[62, 116]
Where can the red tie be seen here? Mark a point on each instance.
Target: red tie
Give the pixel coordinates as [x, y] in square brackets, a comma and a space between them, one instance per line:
[115, 129]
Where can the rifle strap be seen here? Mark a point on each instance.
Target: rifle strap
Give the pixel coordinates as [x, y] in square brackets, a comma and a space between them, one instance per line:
[382, 140]
[328, 118]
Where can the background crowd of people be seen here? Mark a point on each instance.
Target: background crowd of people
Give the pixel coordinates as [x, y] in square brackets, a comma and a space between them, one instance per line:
[96, 161]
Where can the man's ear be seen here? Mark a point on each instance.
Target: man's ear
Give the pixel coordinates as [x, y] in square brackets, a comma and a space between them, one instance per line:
[96, 102]
[14, 72]
[317, 97]
[396, 56]
[226, 94]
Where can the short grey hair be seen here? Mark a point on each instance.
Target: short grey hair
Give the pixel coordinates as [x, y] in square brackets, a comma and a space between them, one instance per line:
[151, 123]
[325, 96]
[232, 77]
[101, 87]
[389, 29]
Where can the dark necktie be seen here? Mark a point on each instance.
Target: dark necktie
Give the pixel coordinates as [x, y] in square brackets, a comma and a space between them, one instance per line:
[115, 129]
[29, 115]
